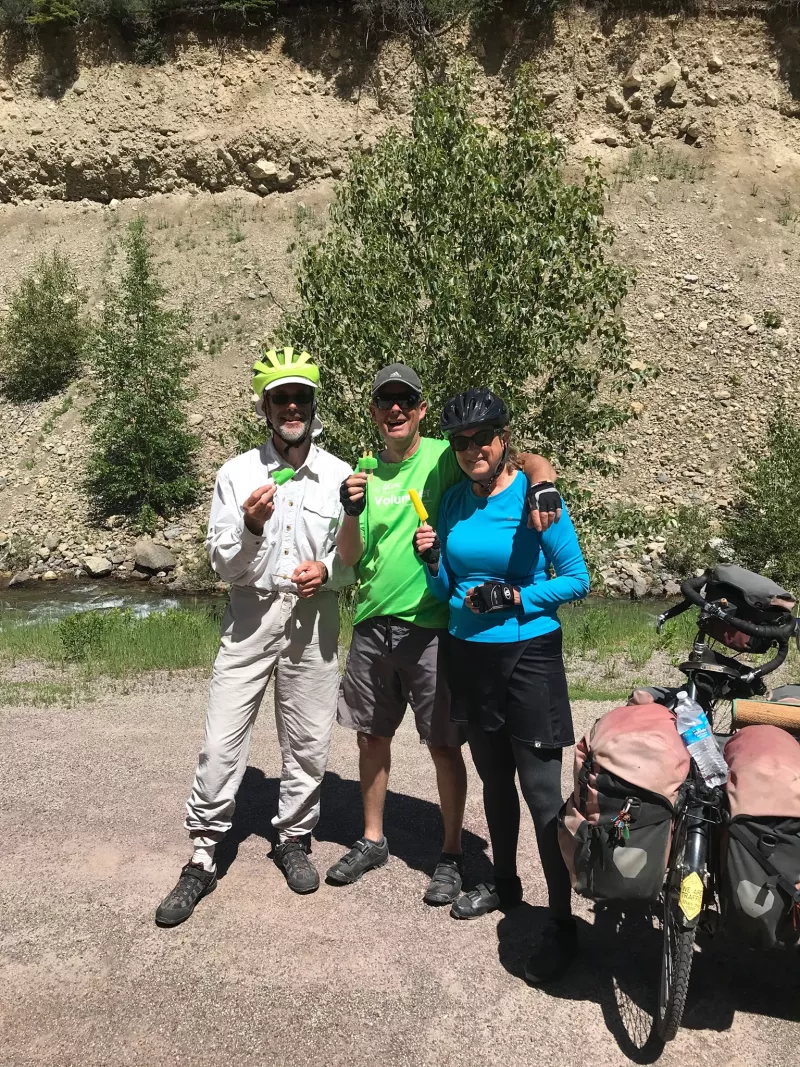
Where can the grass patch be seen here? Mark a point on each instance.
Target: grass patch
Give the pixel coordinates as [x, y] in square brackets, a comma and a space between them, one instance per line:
[116, 643]
[616, 629]
[580, 689]
[663, 163]
[62, 409]
[41, 694]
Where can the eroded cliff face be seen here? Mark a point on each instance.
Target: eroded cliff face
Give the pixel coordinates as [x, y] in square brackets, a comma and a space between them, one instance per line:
[230, 147]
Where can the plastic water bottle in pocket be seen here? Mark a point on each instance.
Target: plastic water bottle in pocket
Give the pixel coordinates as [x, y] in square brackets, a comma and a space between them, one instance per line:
[695, 731]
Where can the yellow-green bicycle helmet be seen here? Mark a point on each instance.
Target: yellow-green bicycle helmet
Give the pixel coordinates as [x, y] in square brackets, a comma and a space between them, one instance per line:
[283, 367]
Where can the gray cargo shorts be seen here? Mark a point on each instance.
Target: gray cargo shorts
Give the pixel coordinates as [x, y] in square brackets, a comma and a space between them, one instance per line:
[393, 663]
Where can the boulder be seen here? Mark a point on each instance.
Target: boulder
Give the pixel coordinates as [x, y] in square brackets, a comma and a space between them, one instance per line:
[615, 103]
[98, 566]
[20, 578]
[667, 76]
[633, 79]
[49, 576]
[152, 557]
[263, 171]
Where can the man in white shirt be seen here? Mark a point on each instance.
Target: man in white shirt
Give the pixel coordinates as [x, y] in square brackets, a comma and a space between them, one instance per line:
[275, 542]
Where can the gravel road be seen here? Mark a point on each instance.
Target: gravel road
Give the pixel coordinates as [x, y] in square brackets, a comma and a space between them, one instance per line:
[361, 975]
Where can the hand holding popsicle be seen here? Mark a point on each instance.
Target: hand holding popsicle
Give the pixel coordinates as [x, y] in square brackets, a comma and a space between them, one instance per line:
[426, 540]
[259, 509]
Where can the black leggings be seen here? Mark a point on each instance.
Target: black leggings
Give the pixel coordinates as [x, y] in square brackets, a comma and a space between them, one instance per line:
[498, 758]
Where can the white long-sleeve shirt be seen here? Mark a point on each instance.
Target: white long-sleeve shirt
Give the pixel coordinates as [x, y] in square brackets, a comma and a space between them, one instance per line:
[304, 525]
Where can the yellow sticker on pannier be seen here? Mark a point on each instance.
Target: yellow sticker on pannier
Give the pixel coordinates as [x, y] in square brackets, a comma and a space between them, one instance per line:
[691, 898]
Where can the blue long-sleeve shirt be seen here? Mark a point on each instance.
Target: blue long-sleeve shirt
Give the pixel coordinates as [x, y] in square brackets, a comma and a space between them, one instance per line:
[488, 539]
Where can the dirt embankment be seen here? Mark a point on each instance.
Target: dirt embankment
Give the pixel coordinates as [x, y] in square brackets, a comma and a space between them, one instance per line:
[229, 151]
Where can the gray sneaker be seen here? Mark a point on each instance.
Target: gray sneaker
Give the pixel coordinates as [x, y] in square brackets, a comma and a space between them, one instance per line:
[291, 856]
[362, 857]
[194, 883]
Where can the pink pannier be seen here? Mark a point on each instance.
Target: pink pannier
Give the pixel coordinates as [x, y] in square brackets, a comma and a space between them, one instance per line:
[760, 861]
[615, 829]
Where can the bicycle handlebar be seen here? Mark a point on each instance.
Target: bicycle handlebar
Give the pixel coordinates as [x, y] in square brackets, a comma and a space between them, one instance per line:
[691, 590]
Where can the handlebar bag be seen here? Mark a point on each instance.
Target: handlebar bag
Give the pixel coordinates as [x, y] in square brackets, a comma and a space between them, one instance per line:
[752, 597]
[760, 848]
[615, 829]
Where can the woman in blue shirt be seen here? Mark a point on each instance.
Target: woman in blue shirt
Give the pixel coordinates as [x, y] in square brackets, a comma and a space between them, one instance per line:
[505, 666]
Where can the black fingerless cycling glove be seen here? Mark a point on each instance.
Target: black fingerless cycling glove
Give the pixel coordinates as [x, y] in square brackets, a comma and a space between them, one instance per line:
[543, 496]
[493, 596]
[351, 507]
[432, 555]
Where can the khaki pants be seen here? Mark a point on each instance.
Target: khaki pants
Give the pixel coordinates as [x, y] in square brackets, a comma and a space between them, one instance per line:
[298, 639]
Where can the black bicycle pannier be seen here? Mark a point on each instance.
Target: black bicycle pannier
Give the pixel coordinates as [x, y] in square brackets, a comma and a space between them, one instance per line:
[760, 850]
[748, 596]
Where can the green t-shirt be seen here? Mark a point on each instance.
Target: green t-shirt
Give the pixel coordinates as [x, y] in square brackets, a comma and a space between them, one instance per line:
[392, 577]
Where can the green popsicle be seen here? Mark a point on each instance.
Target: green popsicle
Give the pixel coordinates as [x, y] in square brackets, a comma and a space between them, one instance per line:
[367, 462]
[284, 475]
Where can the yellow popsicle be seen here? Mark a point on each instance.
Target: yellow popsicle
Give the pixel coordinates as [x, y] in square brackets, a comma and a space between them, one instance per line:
[419, 507]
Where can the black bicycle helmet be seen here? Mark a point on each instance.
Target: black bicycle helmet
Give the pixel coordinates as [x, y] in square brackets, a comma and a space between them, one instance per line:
[473, 407]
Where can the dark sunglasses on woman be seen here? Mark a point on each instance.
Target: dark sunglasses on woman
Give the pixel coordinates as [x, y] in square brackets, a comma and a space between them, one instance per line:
[303, 395]
[460, 442]
[405, 401]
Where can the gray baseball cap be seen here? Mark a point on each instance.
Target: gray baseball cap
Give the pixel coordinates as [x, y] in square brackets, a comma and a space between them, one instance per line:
[397, 374]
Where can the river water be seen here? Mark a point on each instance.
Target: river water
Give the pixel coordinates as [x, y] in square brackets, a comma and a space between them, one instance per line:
[44, 601]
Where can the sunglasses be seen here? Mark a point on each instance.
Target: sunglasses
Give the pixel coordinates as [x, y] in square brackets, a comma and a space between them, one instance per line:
[299, 396]
[405, 401]
[460, 442]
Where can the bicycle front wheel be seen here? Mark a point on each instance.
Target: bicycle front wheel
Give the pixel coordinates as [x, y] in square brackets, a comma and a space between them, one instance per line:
[677, 955]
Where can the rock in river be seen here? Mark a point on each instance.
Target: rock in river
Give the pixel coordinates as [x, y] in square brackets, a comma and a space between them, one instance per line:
[152, 557]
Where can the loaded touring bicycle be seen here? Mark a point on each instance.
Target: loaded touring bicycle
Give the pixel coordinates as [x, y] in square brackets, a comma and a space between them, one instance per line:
[644, 825]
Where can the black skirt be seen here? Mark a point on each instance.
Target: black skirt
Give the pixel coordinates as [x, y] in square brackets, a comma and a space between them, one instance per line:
[521, 685]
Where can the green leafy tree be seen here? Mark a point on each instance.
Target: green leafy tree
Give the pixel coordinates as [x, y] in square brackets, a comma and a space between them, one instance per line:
[763, 527]
[465, 252]
[43, 337]
[54, 12]
[142, 463]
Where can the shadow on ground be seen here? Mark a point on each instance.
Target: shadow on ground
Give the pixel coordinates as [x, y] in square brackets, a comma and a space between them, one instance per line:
[413, 826]
[619, 969]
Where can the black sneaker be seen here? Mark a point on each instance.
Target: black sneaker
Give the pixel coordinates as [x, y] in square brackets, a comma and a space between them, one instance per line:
[194, 883]
[558, 947]
[445, 883]
[291, 856]
[362, 857]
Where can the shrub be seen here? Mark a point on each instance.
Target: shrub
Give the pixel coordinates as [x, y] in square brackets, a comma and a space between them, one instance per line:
[43, 337]
[687, 535]
[16, 553]
[418, 17]
[142, 462]
[247, 431]
[14, 14]
[54, 13]
[79, 634]
[464, 252]
[763, 527]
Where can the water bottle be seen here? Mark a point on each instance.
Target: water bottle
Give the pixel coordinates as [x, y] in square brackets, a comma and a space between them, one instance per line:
[695, 731]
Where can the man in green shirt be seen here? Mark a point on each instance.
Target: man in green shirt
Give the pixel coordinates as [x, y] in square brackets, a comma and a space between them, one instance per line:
[400, 627]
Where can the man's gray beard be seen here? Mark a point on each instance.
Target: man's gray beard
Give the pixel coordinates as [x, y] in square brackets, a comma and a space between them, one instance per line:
[293, 437]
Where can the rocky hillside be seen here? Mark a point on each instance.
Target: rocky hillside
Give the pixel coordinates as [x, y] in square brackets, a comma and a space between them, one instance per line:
[229, 151]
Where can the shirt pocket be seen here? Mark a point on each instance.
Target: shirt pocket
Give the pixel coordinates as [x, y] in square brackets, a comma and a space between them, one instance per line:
[321, 511]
